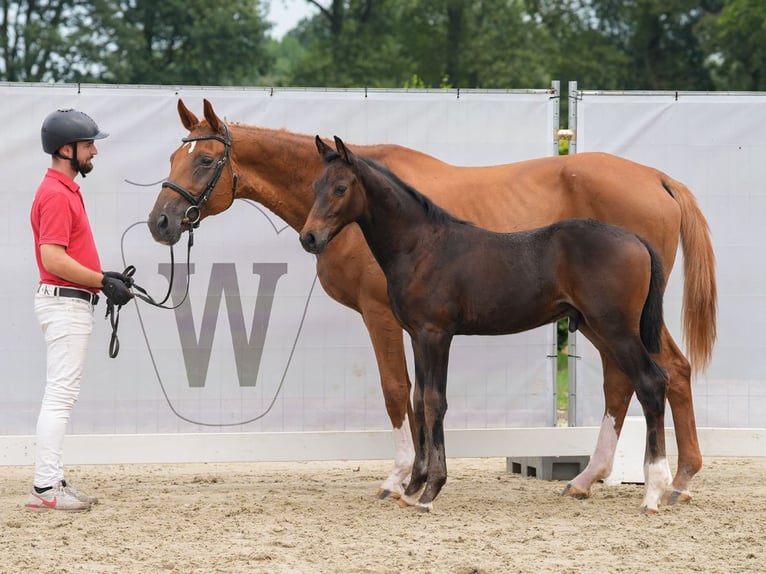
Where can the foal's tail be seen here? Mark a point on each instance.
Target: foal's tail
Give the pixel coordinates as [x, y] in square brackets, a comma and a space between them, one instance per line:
[651, 315]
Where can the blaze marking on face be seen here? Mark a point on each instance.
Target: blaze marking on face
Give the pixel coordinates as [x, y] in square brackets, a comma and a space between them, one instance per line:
[191, 145]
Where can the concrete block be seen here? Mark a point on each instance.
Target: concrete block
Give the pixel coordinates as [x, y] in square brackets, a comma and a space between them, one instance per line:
[547, 467]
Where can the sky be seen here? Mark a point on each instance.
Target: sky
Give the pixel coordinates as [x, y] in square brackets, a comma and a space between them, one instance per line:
[285, 15]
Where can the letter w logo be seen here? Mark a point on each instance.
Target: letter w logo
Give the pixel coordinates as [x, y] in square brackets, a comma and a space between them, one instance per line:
[223, 281]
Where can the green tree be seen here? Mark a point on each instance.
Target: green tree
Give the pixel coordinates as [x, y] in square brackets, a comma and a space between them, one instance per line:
[735, 39]
[36, 39]
[658, 39]
[193, 42]
[351, 43]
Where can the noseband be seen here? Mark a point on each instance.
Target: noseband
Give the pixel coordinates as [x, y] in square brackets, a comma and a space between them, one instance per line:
[197, 201]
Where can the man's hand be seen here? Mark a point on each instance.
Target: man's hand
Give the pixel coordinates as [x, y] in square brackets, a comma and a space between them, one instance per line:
[115, 275]
[116, 287]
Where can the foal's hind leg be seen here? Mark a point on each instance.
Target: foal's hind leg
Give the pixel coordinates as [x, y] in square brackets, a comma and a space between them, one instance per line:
[682, 406]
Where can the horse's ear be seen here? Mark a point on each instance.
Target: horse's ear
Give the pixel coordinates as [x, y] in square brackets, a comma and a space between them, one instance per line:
[188, 119]
[212, 119]
[343, 151]
[325, 151]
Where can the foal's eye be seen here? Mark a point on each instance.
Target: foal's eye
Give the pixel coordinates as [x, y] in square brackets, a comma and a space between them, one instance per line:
[340, 190]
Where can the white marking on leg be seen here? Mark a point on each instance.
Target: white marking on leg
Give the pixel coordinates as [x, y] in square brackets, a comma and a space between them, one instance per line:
[657, 477]
[600, 463]
[404, 455]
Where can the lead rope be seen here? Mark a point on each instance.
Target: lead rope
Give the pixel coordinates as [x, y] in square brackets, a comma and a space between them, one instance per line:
[113, 311]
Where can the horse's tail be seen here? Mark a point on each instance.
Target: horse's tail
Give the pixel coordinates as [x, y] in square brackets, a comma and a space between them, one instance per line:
[651, 315]
[700, 299]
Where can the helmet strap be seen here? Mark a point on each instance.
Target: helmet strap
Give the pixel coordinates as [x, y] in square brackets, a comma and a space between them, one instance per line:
[72, 160]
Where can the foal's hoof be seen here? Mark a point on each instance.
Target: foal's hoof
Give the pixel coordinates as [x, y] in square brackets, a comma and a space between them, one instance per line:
[573, 492]
[672, 497]
[410, 502]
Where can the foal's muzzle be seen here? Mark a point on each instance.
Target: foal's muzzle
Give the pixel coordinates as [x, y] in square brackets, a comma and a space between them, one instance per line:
[312, 243]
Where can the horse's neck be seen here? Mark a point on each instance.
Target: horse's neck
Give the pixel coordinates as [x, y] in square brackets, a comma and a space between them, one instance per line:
[276, 168]
[394, 223]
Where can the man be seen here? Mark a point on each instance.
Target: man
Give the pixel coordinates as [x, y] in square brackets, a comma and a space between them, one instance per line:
[70, 276]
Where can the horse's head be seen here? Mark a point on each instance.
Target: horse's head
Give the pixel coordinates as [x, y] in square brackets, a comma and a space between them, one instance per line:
[202, 181]
[338, 199]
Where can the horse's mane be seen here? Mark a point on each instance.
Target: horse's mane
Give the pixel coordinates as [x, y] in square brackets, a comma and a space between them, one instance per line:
[435, 213]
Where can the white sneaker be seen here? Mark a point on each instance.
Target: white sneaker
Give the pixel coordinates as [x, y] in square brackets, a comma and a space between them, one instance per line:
[57, 498]
[82, 497]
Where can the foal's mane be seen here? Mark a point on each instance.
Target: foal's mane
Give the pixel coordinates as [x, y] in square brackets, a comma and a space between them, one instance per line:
[435, 213]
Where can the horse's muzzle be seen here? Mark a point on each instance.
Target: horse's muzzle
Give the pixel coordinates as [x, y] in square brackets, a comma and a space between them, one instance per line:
[312, 243]
[162, 231]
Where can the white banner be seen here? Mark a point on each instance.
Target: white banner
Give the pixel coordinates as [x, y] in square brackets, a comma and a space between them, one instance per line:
[257, 340]
[712, 143]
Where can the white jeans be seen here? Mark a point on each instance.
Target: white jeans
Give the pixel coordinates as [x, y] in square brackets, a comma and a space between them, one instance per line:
[67, 324]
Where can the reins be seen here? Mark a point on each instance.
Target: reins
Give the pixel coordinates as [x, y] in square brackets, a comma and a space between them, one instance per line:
[113, 311]
[191, 218]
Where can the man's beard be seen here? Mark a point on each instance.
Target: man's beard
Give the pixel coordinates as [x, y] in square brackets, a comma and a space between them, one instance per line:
[85, 166]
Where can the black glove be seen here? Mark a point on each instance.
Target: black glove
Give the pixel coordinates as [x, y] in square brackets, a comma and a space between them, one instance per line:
[116, 287]
[121, 276]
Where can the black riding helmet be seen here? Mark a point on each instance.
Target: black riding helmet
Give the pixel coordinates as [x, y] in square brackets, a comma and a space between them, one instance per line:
[68, 126]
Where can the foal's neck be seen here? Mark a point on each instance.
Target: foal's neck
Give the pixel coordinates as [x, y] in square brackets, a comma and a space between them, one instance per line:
[394, 222]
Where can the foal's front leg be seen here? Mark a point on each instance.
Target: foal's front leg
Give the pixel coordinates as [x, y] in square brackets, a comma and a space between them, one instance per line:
[420, 465]
[434, 353]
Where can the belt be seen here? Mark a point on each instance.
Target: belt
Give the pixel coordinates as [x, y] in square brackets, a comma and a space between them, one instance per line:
[57, 291]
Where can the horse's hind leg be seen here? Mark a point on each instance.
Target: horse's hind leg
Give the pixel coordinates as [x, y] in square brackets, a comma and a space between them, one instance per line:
[387, 341]
[618, 390]
[650, 385]
[651, 389]
[682, 406]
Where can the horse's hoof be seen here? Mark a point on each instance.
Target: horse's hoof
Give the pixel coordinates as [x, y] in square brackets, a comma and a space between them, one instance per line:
[573, 492]
[649, 511]
[423, 508]
[405, 501]
[672, 497]
[384, 493]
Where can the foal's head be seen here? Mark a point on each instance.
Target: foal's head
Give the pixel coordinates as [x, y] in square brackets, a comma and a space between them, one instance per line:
[338, 196]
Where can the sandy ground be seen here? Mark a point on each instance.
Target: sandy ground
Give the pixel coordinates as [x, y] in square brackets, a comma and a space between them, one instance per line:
[323, 517]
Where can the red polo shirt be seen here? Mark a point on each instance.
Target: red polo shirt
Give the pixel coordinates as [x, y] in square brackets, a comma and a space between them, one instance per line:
[58, 217]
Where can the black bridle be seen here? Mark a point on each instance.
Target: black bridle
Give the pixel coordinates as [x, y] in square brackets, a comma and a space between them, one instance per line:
[198, 201]
[195, 209]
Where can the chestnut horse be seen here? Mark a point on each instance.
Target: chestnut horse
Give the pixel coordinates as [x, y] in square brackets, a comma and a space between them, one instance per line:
[447, 277]
[276, 168]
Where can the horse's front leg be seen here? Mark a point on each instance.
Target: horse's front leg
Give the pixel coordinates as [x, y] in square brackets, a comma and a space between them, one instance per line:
[434, 353]
[420, 465]
[387, 342]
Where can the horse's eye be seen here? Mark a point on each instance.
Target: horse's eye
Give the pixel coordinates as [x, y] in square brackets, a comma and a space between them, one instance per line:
[205, 161]
[340, 190]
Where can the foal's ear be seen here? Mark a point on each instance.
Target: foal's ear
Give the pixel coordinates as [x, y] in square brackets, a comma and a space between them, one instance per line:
[188, 119]
[326, 152]
[212, 119]
[343, 151]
